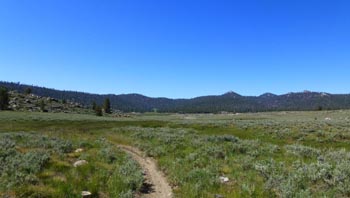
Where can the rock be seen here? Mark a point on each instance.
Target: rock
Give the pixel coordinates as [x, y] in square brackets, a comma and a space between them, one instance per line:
[85, 193]
[320, 159]
[78, 150]
[223, 179]
[80, 163]
[218, 196]
[328, 119]
[29, 106]
[56, 106]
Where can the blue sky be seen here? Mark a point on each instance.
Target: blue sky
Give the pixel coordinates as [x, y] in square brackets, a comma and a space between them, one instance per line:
[177, 48]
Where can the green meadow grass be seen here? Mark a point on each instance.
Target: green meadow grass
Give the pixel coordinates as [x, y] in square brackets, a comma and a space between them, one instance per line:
[273, 154]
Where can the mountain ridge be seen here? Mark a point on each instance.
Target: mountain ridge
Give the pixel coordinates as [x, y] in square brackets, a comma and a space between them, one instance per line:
[229, 101]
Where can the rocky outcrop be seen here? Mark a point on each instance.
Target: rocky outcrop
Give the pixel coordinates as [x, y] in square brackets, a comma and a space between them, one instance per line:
[34, 103]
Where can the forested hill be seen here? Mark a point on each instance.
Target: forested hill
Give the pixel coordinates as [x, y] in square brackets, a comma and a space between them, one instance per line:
[229, 102]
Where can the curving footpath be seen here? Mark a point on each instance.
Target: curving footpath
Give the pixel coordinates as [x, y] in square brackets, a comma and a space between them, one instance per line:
[155, 184]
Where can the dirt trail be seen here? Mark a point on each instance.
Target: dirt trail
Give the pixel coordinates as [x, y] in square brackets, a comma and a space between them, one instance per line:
[155, 184]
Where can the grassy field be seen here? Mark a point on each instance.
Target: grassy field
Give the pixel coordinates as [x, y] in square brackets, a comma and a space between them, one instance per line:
[277, 154]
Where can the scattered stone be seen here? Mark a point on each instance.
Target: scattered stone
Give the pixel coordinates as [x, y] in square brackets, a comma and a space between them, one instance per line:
[79, 150]
[80, 163]
[224, 179]
[218, 196]
[85, 193]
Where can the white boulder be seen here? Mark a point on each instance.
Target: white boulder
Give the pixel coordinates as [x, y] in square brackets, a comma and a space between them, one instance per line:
[79, 150]
[85, 193]
[80, 163]
[224, 179]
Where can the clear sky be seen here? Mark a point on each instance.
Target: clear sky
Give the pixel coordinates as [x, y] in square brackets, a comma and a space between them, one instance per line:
[177, 48]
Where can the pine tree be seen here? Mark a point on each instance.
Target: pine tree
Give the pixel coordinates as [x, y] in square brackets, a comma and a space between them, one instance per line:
[42, 105]
[94, 105]
[28, 91]
[107, 106]
[98, 111]
[4, 98]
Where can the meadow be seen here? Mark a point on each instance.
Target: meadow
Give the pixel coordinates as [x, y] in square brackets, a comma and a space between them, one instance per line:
[272, 154]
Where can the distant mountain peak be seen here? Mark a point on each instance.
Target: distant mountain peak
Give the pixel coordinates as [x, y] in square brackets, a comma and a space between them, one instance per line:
[267, 95]
[307, 92]
[324, 94]
[231, 93]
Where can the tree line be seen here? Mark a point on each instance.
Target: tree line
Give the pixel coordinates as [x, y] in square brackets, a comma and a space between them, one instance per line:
[106, 107]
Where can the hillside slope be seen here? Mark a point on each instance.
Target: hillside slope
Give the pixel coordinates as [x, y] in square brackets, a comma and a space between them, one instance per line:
[34, 103]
